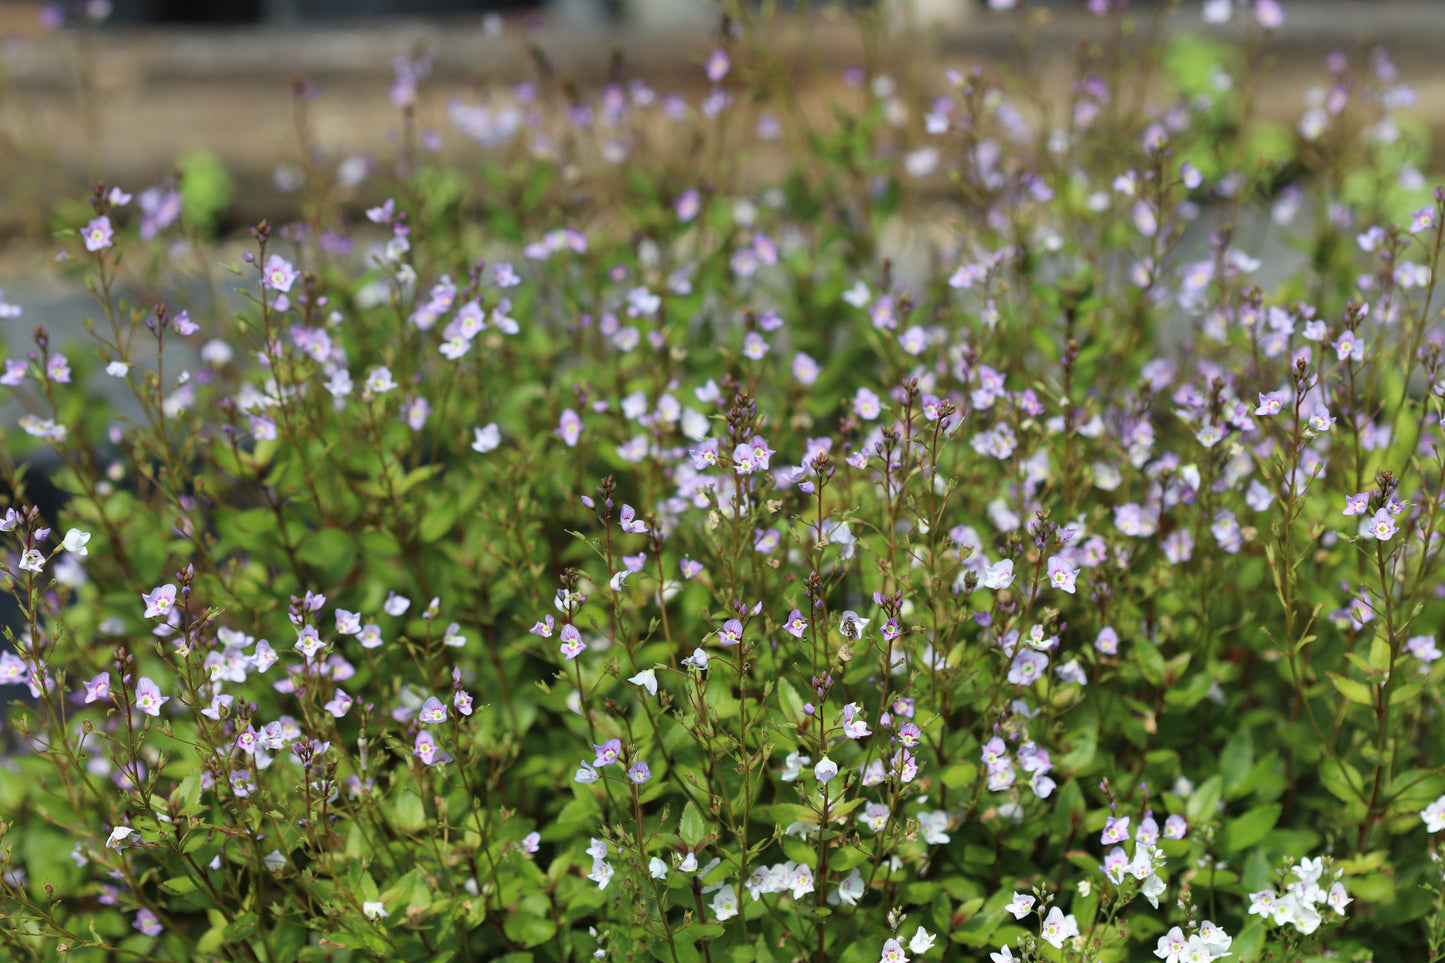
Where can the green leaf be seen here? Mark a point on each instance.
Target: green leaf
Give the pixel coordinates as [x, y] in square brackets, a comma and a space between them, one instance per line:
[1151, 663]
[691, 827]
[529, 930]
[1250, 941]
[1202, 805]
[1249, 829]
[188, 794]
[959, 774]
[240, 928]
[1352, 690]
[1236, 761]
[179, 885]
[1343, 780]
[1373, 888]
[792, 703]
[410, 813]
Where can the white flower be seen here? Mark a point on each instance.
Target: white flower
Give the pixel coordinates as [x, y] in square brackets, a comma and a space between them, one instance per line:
[274, 861]
[999, 575]
[647, 678]
[793, 766]
[374, 910]
[1022, 905]
[825, 769]
[657, 868]
[117, 369]
[486, 438]
[1152, 888]
[120, 838]
[1058, 927]
[1434, 816]
[849, 891]
[1217, 11]
[933, 827]
[725, 904]
[379, 380]
[1215, 940]
[922, 941]
[601, 873]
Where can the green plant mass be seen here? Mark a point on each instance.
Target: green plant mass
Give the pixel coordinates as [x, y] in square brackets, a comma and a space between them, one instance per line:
[917, 513]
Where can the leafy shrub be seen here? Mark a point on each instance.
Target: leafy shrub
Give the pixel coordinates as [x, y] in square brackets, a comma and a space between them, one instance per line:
[601, 551]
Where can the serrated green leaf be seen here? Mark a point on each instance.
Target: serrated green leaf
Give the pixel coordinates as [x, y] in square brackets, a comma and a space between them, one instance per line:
[691, 827]
[1356, 692]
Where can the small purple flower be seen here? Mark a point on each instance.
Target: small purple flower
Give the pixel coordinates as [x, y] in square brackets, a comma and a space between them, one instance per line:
[148, 698]
[1175, 827]
[1060, 575]
[1116, 830]
[1382, 526]
[607, 753]
[247, 740]
[98, 234]
[639, 772]
[463, 701]
[572, 644]
[691, 568]
[264, 657]
[689, 205]
[433, 711]
[159, 601]
[57, 369]
[426, 749]
[1027, 667]
[340, 704]
[795, 625]
[569, 428]
[854, 727]
[279, 274]
[731, 633]
[15, 370]
[630, 522]
[146, 922]
[242, 783]
[98, 689]
[1270, 403]
[309, 642]
[875, 817]
[717, 65]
